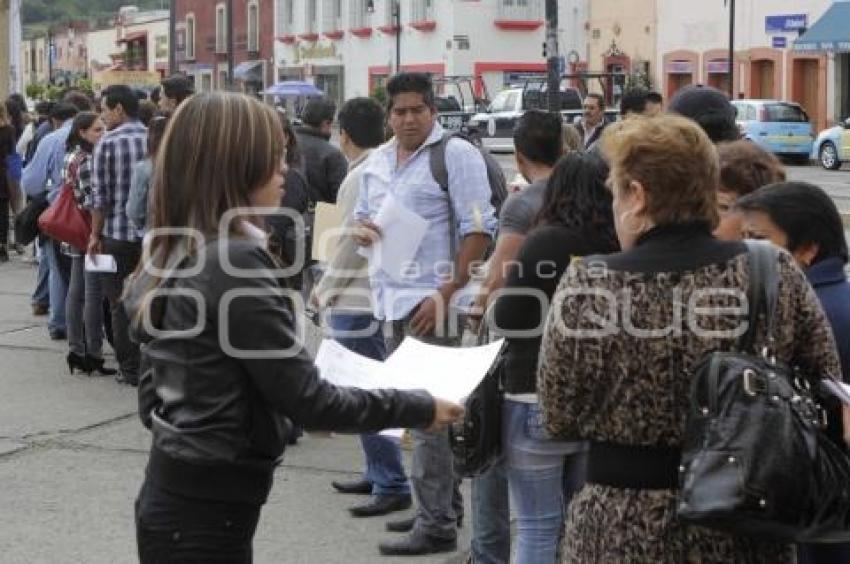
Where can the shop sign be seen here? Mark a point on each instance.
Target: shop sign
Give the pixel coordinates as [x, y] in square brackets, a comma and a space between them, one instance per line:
[717, 67]
[680, 67]
[130, 78]
[785, 23]
[780, 42]
[316, 51]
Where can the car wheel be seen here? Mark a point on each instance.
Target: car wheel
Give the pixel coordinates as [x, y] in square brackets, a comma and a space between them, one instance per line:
[829, 156]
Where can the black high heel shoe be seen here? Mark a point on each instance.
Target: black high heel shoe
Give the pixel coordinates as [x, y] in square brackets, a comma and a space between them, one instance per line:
[77, 362]
[96, 366]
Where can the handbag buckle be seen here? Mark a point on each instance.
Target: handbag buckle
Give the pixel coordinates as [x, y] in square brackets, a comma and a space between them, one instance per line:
[753, 383]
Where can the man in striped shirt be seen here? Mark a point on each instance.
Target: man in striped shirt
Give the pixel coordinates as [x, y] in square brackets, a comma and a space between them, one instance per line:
[112, 232]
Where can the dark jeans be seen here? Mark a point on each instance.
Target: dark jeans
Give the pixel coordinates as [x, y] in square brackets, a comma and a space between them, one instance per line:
[127, 256]
[84, 312]
[4, 221]
[491, 516]
[384, 467]
[434, 484]
[172, 529]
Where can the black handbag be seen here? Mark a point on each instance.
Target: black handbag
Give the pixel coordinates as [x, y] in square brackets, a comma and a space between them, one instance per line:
[26, 222]
[756, 460]
[476, 440]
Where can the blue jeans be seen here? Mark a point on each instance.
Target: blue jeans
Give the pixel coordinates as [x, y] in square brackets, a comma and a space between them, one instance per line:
[491, 516]
[384, 467]
[60, 272]
[41, 294]
[537, 467]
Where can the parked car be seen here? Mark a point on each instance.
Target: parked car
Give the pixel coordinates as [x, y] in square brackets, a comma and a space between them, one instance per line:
[457, 102]
[782, 128]
[832, 147]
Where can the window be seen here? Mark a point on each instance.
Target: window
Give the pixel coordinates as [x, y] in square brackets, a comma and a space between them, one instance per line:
[332, 15]
[285, 11]
[206, 82]
[358, 17]
[253, 27]
[190, 36]
[220, 29]
[505, 101]
[422, 10]
[222, 79]
[311, 16]
[521, 9]
[785, 113]
[390, 11]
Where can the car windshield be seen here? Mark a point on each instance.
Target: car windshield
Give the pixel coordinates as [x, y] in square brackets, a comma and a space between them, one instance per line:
[785, 113]
[447, 104]
[504, 101]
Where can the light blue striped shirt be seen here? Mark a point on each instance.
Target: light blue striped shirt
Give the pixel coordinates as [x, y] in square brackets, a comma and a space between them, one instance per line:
[414, 187]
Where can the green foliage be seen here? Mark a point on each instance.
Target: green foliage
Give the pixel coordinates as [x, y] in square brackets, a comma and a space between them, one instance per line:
[85, 84]
[35, 91]
[53, 93]
[379, 93]
[55, 11]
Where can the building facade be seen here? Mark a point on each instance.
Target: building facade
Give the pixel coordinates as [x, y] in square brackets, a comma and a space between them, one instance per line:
[693, 47]
[70, 52]
[5, 49]
[623, 38]
[201, 44]
[34, 55]
[349, 47]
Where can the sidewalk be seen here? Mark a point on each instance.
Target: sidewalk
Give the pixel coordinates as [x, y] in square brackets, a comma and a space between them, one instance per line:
[72, 456]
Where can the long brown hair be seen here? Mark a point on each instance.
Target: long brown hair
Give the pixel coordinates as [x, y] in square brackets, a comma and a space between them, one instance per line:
[218, 148]
[5, 118]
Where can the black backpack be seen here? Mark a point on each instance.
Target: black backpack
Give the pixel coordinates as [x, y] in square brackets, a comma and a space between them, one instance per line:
[495, 175]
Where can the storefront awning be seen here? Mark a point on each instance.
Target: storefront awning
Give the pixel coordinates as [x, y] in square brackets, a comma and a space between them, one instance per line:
[830, 33]
[249, 71]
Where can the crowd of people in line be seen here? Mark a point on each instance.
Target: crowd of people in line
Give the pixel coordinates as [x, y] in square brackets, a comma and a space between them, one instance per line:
[662, 200]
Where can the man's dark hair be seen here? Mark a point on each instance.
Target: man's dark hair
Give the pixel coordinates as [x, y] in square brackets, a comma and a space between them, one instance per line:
[654, 97]
[634, 101]
[805, 213]
[710, 109]
[78, 99]
[538, 137]
[411, 82]
[124, 95]
[598, 97]
[317, 111]
[44, 108]
[362, 119]
[155, 95]
[63, 111]
[177, 86]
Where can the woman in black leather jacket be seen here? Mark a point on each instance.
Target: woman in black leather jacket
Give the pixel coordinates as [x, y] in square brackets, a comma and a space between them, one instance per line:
[224, 373]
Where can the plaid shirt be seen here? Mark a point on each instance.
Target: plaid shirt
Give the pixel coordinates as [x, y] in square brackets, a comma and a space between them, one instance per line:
[112, 169]
[82, 182]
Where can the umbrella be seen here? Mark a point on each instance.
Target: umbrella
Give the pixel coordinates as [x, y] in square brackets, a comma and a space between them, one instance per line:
[293, 88]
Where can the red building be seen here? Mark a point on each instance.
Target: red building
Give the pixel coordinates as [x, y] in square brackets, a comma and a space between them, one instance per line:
[202, 43]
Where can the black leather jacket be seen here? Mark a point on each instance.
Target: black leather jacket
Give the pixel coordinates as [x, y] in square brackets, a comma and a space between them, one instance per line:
[219, 399]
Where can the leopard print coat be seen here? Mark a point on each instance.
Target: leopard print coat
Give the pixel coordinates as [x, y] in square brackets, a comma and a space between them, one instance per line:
[625, 385]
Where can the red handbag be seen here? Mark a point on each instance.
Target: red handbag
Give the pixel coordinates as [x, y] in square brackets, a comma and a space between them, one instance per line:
[64, 220]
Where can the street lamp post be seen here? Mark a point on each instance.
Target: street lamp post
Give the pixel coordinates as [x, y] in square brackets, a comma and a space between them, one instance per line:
[396, 4]
[731, 49]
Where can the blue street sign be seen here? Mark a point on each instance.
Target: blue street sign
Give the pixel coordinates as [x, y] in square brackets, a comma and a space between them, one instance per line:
[785, 23]
[780, 42]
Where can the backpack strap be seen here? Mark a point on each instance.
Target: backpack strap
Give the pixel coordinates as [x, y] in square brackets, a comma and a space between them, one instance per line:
[437, 156]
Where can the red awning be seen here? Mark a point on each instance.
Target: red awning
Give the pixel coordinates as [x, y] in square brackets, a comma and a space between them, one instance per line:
[134, 36]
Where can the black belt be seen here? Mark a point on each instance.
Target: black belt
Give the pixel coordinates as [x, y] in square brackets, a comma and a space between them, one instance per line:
[633, 466]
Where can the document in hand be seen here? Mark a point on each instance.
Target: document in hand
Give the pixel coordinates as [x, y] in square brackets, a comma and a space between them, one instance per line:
[446, 372]
[100, 263]
[402, 232]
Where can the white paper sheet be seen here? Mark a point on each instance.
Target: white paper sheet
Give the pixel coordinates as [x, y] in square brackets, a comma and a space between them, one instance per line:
[402, 232]
[100, 263]
[449, 373]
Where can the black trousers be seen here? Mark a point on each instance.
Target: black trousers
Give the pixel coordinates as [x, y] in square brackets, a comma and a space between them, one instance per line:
[4, 220]
[172, 529]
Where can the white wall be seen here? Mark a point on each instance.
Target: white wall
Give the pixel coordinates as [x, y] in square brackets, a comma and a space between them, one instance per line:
[101, 44]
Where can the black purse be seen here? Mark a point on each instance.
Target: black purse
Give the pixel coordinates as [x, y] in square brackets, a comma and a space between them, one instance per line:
[756, 460]
[476, 440]
[26, 222]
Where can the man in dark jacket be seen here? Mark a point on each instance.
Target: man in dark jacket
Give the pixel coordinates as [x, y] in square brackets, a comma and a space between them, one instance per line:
[324, 165]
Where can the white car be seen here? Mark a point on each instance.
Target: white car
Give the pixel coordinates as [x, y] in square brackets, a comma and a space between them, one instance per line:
[832, 147]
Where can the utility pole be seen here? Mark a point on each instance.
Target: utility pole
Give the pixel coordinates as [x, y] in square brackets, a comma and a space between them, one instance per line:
[553, 86]
[230, 53]
[172, 37]
[397, 15]
[731, 49]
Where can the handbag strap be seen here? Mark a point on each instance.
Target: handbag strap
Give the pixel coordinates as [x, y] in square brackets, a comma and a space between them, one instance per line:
[762, 294]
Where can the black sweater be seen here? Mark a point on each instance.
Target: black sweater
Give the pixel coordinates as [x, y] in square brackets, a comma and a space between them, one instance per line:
[539, 265]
